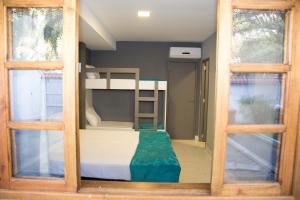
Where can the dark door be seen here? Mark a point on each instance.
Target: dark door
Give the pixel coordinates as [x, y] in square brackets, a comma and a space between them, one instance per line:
[181, 99]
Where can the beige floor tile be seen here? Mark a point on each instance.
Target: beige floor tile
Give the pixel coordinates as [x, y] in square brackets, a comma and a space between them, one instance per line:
[195, 161]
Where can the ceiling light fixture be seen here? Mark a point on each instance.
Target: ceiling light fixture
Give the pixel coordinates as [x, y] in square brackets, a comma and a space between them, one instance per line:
[144, 13]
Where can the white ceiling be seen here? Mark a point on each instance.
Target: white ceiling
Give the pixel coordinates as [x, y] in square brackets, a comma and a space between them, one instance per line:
[171, 20]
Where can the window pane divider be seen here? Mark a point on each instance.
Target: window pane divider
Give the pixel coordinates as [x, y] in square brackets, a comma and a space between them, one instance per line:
[31, 184]
[260, 68]
[255, 188]
[49, 65]
[33, 125]
[33, 3]
[255, 128]
[263, 5]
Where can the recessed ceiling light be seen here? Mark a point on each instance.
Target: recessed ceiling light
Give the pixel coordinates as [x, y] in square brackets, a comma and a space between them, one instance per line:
[144, 13]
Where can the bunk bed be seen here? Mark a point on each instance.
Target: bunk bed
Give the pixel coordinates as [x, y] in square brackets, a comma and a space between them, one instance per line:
[101, 79]
[122, 150]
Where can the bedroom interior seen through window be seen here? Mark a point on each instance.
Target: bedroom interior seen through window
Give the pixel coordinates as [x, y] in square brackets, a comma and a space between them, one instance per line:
[147, 93]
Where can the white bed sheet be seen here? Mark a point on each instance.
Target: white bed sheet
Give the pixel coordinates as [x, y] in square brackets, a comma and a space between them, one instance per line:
[112, 125]
[106, 154]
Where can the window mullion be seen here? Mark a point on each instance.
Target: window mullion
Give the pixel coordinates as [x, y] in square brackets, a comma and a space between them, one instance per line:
[34, 125]
[259, 68]
[49, 65]
[256, 128]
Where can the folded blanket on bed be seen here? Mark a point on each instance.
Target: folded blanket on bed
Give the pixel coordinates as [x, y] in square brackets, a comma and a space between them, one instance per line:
[154, 159]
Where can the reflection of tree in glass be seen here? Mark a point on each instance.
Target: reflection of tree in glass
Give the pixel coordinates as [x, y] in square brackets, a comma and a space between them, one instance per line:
[258, 36]
[259, 109]
[53, 28]
[37, 33]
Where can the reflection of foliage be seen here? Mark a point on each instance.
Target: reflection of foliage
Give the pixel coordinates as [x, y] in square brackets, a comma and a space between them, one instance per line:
[258, 36]
[259, 109]
[53, 28]
[37, 33]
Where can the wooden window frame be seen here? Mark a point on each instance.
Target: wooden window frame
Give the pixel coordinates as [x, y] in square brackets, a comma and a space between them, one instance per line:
[288, 129]
[219, 190]
[69, 126]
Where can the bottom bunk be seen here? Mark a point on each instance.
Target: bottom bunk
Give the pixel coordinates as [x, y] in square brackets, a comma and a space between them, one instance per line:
[144, 156]
[114, 125]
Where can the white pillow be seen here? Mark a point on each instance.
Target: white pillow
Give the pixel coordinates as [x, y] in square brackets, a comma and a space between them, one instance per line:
[92, 117]
[92, 75]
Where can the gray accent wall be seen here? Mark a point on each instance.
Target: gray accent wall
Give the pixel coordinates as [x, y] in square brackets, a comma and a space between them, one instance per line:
[209, 51]
[152, 59]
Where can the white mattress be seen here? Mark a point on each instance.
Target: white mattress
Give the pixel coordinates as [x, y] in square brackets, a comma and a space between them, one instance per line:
[107, 154]
[104, 154]
[112, 125]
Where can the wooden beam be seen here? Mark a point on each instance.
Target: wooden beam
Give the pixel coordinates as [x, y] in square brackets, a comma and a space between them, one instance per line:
[35, 125]
[34, 65]
[141, 185]
[4, 146]
[246, 189]
[8, 32]
[292, 108]
[144, 188]
[287, 37]
[259, 68]
[44, 184]
[224, 30]
[296, 181]
[264, 128]
[70, 97]
[33, 3]
[117, 195]
[77, 177]
[263, 4]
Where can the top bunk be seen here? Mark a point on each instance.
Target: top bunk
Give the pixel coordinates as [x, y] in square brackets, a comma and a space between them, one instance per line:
[101, 78]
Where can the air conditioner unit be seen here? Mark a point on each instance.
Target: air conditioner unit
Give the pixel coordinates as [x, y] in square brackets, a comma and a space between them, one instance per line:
[185, 52]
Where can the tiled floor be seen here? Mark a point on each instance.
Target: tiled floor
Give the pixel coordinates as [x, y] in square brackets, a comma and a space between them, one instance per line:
[195, 161]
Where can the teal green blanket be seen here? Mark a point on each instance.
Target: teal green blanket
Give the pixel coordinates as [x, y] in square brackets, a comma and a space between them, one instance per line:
[154, 159]
[149, 125]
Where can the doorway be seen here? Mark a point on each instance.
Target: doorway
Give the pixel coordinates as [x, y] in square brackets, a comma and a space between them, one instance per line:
[204, 100]
[181, 99]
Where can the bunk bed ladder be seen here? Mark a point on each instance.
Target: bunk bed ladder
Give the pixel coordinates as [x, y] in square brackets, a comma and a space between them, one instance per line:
[153, 115]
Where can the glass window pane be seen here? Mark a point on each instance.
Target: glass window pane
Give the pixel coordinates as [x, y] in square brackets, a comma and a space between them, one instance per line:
[38, 153]
[258, 36]
[36, 34]
[252, 157]
[256, 98]
[36, 95]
